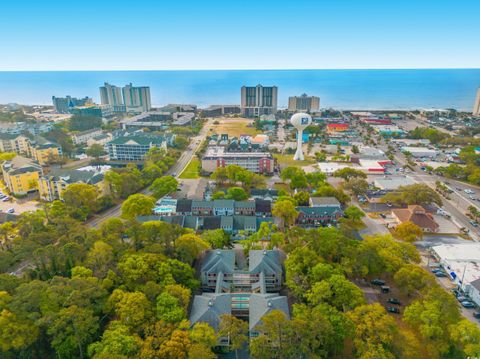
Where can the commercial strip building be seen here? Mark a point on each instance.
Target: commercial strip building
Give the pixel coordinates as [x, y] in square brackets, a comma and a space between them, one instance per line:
[21, 175]
[217, 156]
[462, 263]
[366, 166]
[420, 152]
[303, 103]
[247, 293]
[64, 104]
[258, 100]
[392, 183]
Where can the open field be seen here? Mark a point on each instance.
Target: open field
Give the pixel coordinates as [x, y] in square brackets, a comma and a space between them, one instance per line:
[287, 160]
[234, 127]
[191, 171]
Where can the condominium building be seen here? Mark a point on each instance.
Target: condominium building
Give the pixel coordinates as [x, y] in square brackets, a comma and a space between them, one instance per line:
[64, 104]
[476, 106]
[257, 162]
[247, 292]
[52, 185]
[79, 138]
[259, 100]
[14, 143]
[303, 103]
[46, 152]
[21, 175]
[97, 111]
[137, 97]
[133, 147]
[112, 95]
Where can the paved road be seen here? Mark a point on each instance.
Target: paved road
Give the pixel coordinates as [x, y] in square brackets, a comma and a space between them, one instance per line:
[176, 170]
[457, 203]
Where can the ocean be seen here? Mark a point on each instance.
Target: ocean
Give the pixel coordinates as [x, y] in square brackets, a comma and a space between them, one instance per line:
[340, 89]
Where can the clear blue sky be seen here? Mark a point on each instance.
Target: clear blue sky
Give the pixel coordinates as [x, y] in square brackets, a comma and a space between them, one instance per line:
[233, 34]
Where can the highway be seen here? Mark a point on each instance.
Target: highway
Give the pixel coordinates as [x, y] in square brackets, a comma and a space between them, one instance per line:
[175, 171]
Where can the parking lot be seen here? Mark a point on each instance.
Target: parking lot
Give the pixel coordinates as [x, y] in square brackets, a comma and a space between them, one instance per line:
[19, 205]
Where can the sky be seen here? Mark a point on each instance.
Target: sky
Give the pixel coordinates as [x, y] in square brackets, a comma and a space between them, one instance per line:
[232, 34]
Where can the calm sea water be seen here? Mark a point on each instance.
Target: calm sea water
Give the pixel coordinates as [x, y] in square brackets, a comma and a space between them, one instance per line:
[342, 89]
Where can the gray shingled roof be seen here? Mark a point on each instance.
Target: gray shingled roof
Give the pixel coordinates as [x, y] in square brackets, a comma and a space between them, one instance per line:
[219, 260]
[324, 201]
[208, 308]
[268, 261]
[261, 304]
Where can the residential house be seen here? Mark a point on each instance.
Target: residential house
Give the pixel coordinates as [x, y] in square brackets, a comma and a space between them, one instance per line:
[245, 208]
[417, 215]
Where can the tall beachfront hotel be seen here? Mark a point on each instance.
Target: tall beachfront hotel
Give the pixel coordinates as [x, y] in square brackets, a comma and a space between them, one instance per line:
[259, 100]
[476, 106]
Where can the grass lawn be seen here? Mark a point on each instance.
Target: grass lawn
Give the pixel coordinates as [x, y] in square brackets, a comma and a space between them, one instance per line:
[234, 127]
[287, 160]
[191, 171]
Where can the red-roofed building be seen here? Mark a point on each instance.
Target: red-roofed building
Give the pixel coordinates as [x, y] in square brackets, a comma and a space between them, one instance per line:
[337, 127]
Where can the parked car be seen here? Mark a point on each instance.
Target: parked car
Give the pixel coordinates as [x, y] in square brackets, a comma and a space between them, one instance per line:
[6, 199]
[378, 282]
[393, 301]
[385, 288]
[383, 215]
[467, 304]
[473, 223]
[476, 315]
[468, 191]
[10, 210]
[440, 274]
[456, 292]
[461, 298]
[393, 310]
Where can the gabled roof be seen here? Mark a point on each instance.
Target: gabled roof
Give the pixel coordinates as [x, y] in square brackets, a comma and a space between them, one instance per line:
[208, 308]
[245, 204]
[223, 203]
[417, 215]
[319, 211]
[74, 176]
[212, 222]
[261, 304]
[219, 260]
[202, 204]
[268, 261]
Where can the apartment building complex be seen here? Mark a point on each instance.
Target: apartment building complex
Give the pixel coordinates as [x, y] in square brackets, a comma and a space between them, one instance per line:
[21, 175]
[217, 156]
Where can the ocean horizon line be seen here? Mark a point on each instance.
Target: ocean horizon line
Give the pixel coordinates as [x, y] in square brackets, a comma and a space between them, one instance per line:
[250, 69]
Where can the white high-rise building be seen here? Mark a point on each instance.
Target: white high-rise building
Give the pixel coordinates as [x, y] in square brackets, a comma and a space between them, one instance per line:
[137, 97]
[476, 106]
[112, 95]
